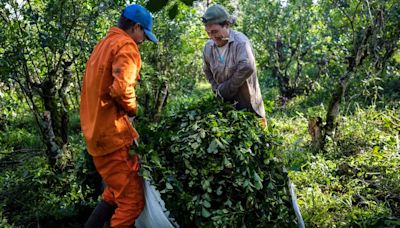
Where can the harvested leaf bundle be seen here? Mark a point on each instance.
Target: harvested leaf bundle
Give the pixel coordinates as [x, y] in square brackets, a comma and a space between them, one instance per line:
[215, 166]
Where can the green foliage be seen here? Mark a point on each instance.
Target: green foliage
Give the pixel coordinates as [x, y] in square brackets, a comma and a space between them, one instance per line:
[215, 166]
[305, 46]
[356, 181]
[44, 47]
[157, 5]
[18, 138]
[195, 151]
[285, 42]
[177, 55]
[32, 192]
[11, 106]
[3, 222]
[18, 129]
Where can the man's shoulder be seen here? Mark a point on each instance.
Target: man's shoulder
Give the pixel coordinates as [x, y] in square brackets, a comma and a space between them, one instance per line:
[239, 37]
[208, 46]
[125, 41]
[119, 40]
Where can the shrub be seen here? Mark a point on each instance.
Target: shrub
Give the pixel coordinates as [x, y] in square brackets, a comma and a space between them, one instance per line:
[216, 166]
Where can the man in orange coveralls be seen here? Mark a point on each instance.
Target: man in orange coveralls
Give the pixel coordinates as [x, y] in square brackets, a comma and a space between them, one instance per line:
[107, 100]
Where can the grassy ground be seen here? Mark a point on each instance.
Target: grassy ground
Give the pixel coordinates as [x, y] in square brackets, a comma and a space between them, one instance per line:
[355, 181]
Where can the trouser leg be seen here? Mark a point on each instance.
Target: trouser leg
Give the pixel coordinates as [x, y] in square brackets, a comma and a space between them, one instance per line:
[101, 214]
[124, 186]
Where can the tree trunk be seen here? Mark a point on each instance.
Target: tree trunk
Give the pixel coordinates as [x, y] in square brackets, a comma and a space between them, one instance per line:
[285, 88]
[67, 75]
[51, 104]
[334, 105]
[52, 146]
[315, 128]
[146, 105]
[360, 52]
[161, 100]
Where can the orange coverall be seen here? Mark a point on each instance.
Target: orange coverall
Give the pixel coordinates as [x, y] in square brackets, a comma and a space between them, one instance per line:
[107, 98]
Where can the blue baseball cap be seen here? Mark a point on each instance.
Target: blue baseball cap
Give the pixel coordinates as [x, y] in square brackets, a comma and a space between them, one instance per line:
[140, 15]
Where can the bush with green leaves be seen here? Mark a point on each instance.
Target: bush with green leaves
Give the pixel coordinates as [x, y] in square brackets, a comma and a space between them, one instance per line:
[216, 167]
[3, 221]
[355, 182]
[32, 193]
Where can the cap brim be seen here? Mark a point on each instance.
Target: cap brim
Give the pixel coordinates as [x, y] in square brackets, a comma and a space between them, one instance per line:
[216, 20]
[150, 36]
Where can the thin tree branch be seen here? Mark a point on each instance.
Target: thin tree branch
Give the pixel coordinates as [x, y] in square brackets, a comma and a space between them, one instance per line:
[38, 31]
[369, 11]
[24, 150]
[4, 17]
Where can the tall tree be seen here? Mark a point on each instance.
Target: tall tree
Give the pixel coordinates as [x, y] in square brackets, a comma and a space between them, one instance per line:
[365, 36]
[45, 45]
[175, 63]
[283, 39]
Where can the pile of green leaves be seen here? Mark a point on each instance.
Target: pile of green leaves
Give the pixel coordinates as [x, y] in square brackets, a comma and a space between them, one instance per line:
[216, 166]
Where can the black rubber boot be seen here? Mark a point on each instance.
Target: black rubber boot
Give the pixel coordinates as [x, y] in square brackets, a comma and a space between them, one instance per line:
[100, 215]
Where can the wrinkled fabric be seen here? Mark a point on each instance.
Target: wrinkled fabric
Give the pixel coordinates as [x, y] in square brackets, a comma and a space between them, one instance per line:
[124, 186]
[107, 100]
[234, 79]
[108, 93]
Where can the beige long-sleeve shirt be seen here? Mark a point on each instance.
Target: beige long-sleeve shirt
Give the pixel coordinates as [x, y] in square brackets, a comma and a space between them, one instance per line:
[234, 75]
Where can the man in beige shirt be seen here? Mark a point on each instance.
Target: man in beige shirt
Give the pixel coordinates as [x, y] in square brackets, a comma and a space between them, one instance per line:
[229, 63]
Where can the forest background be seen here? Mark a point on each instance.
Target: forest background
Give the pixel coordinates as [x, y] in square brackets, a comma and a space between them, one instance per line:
[329, 71]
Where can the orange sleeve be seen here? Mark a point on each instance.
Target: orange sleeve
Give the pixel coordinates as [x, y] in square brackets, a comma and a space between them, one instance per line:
[125, 68]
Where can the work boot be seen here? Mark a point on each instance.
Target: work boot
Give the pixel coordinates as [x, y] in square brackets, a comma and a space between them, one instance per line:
[100, 215]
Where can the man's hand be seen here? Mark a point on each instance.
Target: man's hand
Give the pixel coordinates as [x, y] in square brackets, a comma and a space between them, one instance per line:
[218, 93]
[132, 114]
[223, 90]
